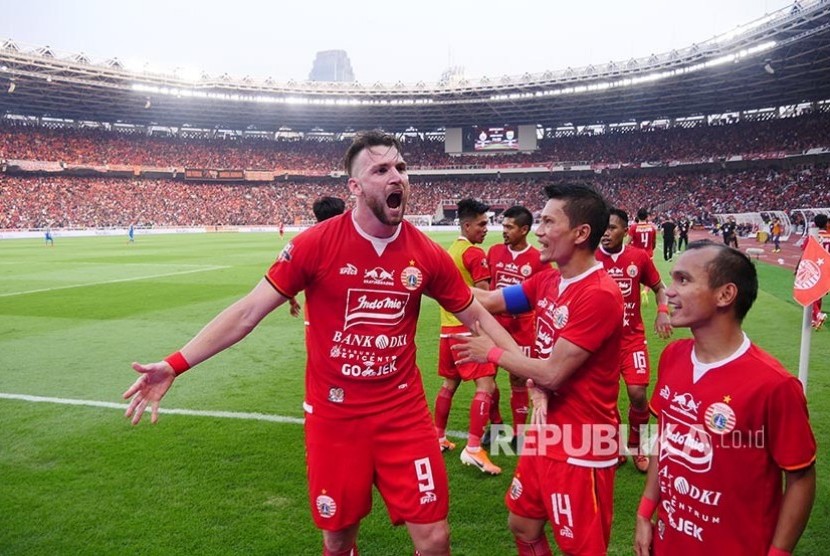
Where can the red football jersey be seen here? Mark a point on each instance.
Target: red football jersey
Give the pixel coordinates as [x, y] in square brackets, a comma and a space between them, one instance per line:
[630, 268]
[587, 311]
[822, 236]
[509, 267]
[643, 235]
[724, 441]
[363, 296]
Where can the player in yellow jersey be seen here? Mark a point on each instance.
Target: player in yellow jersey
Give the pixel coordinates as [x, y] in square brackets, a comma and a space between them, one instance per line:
[471, 260]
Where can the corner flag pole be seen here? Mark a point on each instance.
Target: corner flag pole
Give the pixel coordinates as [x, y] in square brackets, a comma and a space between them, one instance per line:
[804, 354]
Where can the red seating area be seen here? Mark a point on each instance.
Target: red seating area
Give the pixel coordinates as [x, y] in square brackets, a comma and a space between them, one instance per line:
[100, 147]
[63, 202]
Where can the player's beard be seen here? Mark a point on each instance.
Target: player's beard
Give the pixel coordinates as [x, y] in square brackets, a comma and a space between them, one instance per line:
[380, 207]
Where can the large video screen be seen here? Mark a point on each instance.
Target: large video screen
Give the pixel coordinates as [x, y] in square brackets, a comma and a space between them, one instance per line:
[483, 139]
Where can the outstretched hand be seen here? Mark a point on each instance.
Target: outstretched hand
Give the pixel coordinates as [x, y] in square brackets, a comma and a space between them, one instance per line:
[149, 388]
[472, 349]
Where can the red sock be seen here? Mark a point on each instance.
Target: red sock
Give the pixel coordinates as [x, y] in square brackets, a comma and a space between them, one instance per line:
[816, 309]
[495, 413]
[539, 547]
[348, 552]
[479, 415]
[443, 403]
[519, 406]
[636, 419]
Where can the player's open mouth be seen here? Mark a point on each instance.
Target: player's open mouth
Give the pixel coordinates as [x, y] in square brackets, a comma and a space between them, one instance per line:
[394, 200]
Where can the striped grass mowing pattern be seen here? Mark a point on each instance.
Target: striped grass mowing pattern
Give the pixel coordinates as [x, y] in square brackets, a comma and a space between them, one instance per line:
[79, 479]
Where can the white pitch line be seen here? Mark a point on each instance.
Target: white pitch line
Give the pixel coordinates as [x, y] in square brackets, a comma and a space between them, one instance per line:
[133, 279]
[190, 412]
[123, 407]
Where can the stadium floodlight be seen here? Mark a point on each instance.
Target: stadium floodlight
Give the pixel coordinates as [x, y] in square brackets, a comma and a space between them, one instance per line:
[768, 67]
[12, 86]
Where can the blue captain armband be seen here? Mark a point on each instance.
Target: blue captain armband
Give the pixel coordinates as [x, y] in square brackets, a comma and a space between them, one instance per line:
[515, 299]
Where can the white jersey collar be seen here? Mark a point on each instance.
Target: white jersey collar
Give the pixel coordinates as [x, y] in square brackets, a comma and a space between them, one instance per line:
[699, 369]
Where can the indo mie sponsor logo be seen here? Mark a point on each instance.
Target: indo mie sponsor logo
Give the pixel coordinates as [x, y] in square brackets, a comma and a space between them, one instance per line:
[688, 444]
[375, 307]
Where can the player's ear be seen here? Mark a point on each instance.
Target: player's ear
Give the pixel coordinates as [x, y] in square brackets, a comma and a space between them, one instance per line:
[583, 234]
[726, 295]
[354, 187]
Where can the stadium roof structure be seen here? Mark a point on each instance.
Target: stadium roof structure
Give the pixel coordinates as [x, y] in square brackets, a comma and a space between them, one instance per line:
[781, 59]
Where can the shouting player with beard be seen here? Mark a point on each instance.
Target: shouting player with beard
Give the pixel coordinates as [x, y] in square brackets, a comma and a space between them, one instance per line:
[367, 420]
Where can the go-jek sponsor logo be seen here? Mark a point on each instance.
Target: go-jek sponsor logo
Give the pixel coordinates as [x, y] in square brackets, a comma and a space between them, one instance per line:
[686, 444]
[374, 307]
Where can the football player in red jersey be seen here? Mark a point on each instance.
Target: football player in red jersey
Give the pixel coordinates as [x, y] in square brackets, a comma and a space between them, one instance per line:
[367, 421]
[632, 268]
[511, 263]
[565, 474]
[643, 233]
[735, 470]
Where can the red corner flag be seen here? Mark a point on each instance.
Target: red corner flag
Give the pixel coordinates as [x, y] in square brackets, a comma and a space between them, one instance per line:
[812, 279]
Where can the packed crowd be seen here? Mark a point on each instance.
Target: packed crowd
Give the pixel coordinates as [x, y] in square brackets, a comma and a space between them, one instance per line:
[64, 202]
[622, 145]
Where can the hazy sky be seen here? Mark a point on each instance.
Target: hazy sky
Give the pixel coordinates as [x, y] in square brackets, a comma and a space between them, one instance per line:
[386, 41]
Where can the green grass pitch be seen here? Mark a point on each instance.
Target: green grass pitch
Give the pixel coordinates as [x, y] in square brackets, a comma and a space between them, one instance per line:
[78, 479]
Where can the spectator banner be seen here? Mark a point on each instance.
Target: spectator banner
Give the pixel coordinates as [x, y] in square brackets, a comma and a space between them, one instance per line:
[258, 175]
[34, 165]
[208, 174]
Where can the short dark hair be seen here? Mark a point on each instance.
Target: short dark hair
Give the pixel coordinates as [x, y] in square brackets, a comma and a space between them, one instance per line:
[583, 205]
[619, 213]
[820, 220]
[470, 208]
[642, 214]
[365, 140]
[326, 207]
[520, 215]
[731, 265]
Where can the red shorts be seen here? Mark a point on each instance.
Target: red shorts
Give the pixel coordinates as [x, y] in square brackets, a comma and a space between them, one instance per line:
[577, 501]
[522, 328]
[447, 366]
[634, 365]
[398, 454]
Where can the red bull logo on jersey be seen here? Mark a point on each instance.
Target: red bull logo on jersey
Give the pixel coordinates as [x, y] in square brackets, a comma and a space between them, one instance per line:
[374, 307]
[379, 276]
[686, 404]
[686, 444]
